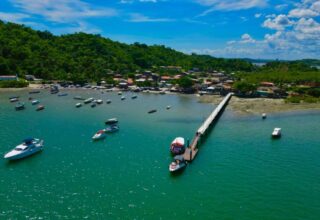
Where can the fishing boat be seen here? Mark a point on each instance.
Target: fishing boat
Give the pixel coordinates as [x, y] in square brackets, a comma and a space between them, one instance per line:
[134, 97]
[78, 105]
[111, 129]
[99, 101]
[276, 133]
[34, 92]
[264, 115]
[62, 94]
[87, 101]
[177, 146]
[177, 164]
[34, 102]
[152, 111]
[14, 99]
[40, 107]
[168, 107]
[19, 106]
[111, 121]
[28, 147]
[123, 97]
[99, 135]
[78, 98]
[108, 101]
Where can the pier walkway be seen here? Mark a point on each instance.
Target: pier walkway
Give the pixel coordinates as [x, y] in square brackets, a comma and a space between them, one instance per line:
[192, 149]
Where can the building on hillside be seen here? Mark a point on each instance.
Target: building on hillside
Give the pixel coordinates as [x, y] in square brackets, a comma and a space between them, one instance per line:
[267, 84]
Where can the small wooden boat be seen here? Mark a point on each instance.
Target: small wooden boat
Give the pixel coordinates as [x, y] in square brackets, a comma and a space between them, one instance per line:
[78, 105]
[62, 94]
[93, 105]
[34, 92]
[123, 98]
[264, 115]
[78, 98]
[134, 97]
[40, 107]
[112, 128]
[276, 133]
[34, 102]
[111, 121]
[19, 106]
[99, 135]
[177, 164]
[108, 101]
[152, 111]
[177, 146]
[87, 101]
[14, 99]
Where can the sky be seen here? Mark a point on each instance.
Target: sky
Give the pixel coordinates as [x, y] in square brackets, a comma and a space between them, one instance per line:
[259, 29]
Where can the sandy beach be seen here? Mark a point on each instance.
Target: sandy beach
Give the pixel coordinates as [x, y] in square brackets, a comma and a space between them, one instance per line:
[259, 105]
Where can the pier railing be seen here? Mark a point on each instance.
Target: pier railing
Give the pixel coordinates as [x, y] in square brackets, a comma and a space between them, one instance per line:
[192, 149]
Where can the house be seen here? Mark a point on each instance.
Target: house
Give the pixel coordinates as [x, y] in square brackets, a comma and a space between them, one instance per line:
[267, 84]
[165, 78]
[8, 78]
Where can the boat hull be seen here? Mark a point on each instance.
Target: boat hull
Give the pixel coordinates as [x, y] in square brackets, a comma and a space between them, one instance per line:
[25, 154]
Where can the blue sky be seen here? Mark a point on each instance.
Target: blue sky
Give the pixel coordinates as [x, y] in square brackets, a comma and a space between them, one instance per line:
[282, 29]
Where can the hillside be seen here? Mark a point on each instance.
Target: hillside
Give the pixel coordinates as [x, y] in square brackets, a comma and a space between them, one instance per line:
[85, 56]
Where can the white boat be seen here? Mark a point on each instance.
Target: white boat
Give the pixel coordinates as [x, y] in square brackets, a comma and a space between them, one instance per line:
[168, 107]
[28, 147]
[78, 105]
[177, 164]
[99, 135]
[34, 102]
[87, 101]
[99, 101]
[178, 146]
[111, 121]
[112, 128]
[119, 93]
[14, 99]
[276, 133]
[264, 115]
[40, 107]
[123, 97]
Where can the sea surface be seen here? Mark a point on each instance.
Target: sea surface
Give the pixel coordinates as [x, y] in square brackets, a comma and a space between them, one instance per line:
[239, 172]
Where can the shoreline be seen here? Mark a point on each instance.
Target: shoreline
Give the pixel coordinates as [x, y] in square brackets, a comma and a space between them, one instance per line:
[247, 106]
[241, 106]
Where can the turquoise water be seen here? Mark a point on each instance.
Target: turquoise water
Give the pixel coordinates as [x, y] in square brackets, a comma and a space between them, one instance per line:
[239, 173]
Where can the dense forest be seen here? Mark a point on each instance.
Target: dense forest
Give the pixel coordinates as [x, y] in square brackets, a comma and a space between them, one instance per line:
[282, 72]
[90, 57]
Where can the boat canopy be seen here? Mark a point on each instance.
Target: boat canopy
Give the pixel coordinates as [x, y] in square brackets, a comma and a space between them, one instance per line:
[28, 140]
[179, 157]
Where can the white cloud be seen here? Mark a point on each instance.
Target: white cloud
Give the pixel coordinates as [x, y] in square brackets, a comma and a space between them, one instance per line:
[230, 5]
[278, 23]
[62, 11]
[302, 12]
[246, 38]
[13, 17]
[138, 18]
[293, 37]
